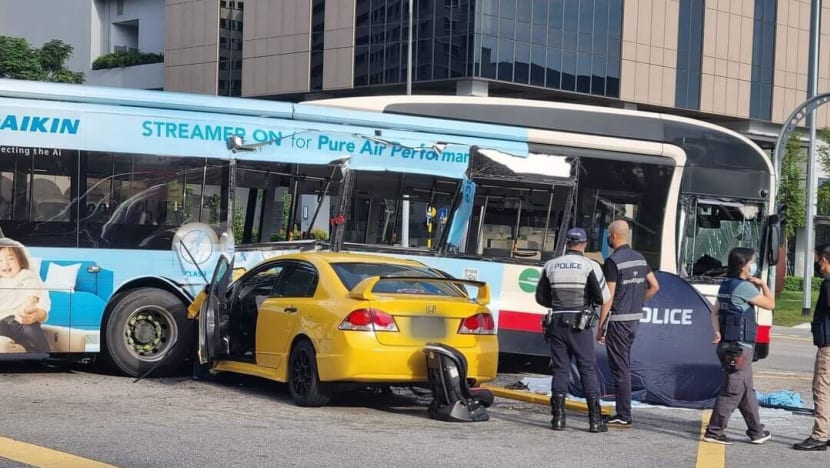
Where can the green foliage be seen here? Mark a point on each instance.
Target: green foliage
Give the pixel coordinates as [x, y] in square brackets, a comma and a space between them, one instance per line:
[20, 61]
[796, 283]
[213, 206]
[125, 59]
[319, 234]
[238, 224]
[792, 190]
[280, 236]
[823, 200]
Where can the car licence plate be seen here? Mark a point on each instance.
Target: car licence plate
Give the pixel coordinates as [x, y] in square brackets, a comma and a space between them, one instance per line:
[428, 327]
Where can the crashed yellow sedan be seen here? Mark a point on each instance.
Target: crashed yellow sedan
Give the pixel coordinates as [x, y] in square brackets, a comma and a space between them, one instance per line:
[322, 321]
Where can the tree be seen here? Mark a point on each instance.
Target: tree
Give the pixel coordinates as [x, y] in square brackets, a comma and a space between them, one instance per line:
[20, 61]
[791, 190]
[823, 156]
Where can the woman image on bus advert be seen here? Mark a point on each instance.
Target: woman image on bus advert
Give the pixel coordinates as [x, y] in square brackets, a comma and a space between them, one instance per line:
[24, 300]
[734, 324]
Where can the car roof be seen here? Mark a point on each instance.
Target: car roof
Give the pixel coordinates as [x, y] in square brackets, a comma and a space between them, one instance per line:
[348, 257]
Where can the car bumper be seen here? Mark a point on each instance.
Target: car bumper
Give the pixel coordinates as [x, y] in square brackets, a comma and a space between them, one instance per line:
[358, 357]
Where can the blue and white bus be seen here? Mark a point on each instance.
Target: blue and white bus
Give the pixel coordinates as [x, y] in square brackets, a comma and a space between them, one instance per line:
[122, 200]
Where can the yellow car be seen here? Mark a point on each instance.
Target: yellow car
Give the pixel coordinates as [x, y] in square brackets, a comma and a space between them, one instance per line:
[315, 320]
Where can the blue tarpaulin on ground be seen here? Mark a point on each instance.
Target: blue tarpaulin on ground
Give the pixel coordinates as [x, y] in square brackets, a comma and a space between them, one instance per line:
[780, 399]
[673, 359]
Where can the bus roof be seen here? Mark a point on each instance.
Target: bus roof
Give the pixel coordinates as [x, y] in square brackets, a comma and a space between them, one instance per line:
[714, 155]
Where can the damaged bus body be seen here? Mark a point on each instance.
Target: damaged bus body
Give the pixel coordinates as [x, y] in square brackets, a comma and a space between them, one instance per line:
[125, 199]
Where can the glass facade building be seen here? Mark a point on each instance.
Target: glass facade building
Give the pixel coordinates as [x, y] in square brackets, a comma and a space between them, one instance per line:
[571, 45]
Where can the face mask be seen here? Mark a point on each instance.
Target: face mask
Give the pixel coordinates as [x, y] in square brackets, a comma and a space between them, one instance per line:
[608, 240]
[817, 269]
[753, 268]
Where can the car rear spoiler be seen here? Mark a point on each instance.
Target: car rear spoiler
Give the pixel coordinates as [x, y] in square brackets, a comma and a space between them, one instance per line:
[363, 290]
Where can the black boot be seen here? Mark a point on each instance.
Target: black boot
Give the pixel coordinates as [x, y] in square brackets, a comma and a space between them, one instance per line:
[595, 421]
[557, 409]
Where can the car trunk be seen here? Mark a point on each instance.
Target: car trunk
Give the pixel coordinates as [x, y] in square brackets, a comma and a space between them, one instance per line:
[426, 319]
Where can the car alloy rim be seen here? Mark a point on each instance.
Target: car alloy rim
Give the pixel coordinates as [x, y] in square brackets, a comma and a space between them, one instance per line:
[149, 333]
[302, 373]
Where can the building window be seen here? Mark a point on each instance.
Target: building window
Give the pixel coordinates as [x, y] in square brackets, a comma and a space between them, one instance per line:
[572, 45]
[689, 54]
[318, 34]
[230, 49]
[763, 56]
[442, 40]
[119, 6]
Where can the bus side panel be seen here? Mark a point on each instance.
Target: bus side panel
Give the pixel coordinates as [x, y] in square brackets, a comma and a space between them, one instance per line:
[77, 285]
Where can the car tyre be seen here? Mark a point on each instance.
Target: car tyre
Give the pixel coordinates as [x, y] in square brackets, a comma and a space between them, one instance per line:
[148, 331]
[303, 379]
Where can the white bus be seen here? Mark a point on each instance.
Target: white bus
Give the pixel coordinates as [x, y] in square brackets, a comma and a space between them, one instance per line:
[124, 198]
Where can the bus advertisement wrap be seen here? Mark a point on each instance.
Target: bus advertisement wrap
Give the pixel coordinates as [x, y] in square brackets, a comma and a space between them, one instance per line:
[174, 133]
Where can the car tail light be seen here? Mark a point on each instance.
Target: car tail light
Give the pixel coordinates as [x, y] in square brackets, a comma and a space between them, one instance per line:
[369, 320]
[478, 324]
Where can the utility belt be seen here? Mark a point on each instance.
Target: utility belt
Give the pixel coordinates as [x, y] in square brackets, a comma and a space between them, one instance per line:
[577, 319]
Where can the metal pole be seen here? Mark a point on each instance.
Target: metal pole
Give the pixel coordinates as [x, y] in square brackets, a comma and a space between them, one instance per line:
[409, 53]
[812, 176]
[405, 221]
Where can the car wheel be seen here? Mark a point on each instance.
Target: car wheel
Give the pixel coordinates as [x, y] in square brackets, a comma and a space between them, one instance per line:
[303, 380]
[148, 330]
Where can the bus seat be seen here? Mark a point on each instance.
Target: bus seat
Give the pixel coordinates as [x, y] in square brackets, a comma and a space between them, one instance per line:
[497, 252]
[52, 211]
[500, 244]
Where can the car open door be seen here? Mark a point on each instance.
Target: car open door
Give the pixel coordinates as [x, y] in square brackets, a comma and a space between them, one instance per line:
[213, 317]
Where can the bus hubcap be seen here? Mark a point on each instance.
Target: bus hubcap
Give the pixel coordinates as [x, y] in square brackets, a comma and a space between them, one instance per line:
[148, 333]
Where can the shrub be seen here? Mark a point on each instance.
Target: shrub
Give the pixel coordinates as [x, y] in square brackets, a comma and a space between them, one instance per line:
[125, 59]
[319, 234]
[794, 283]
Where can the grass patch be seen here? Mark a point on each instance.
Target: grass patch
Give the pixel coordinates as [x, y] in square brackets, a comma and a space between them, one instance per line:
[788, 308]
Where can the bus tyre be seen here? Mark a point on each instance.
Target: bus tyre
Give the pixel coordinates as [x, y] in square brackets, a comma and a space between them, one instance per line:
[303, 379]
[148, 331]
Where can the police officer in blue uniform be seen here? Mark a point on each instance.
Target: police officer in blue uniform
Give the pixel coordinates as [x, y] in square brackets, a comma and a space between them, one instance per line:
[733, 321]
[631, 283]
[572, 286]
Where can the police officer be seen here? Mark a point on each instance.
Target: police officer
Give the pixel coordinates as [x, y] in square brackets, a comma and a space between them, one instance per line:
[733, 321]
[818, 439]
[631, 283]
[571, 286]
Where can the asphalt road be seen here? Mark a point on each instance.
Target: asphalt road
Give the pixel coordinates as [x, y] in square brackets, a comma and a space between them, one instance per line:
[235, 421]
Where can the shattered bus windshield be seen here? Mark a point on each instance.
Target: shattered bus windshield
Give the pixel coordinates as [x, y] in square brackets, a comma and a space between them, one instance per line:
[713, 228]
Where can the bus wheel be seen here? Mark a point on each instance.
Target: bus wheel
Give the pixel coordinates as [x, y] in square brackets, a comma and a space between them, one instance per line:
[148, 330]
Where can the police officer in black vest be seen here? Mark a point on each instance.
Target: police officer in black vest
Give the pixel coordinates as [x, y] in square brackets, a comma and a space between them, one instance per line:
[572, 286]
[631, 283]
[735, 327]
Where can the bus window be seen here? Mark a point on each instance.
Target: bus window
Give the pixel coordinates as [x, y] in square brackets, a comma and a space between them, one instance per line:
[611, 189]
[37, 190]
[377, 208]
[711, 228]
[278, 202]
[519, 223]
[153, 195]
